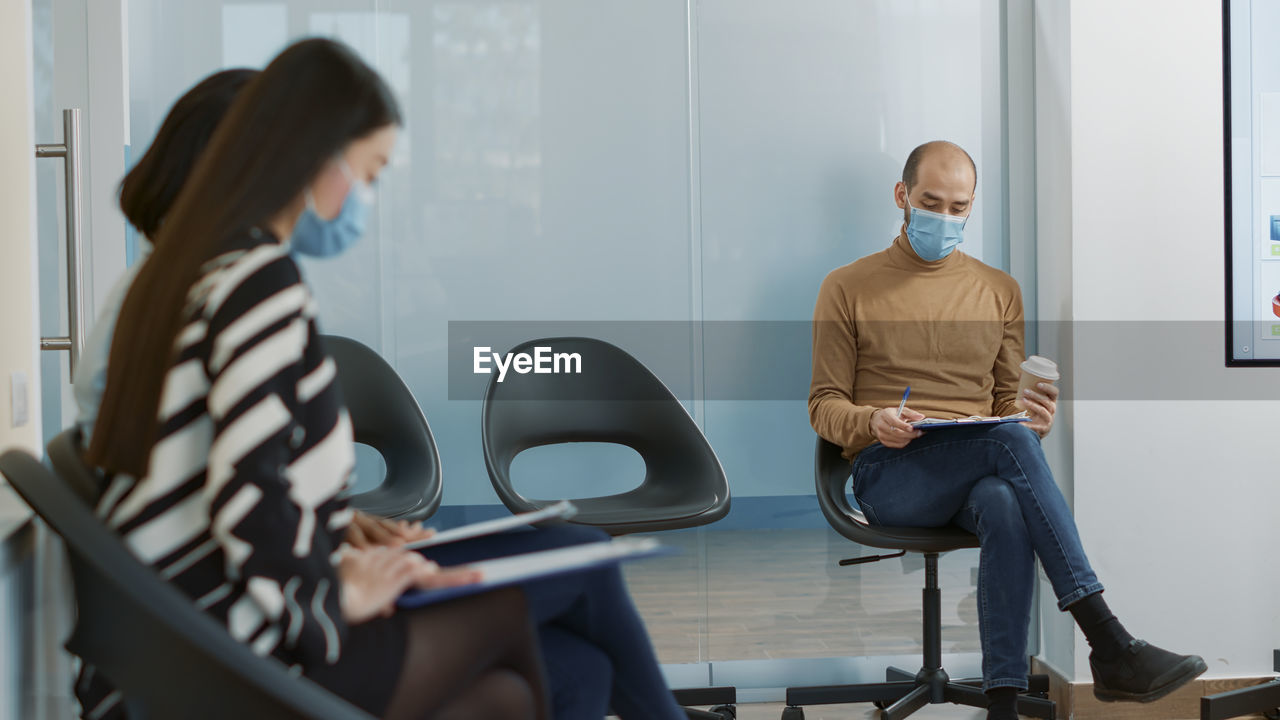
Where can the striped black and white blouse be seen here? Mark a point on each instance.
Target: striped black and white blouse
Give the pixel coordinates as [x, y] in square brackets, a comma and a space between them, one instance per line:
[240, 506]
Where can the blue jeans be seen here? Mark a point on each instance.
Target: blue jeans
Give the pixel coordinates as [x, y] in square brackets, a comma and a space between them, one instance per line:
[993, 481]
[594, 645]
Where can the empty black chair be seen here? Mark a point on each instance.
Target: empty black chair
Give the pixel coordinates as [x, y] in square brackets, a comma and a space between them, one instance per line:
[386, 417]
[904, 692]
[614, 399]
[166, 657]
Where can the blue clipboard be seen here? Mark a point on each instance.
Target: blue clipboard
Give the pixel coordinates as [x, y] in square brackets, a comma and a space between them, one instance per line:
[965, 422]
[516, 569]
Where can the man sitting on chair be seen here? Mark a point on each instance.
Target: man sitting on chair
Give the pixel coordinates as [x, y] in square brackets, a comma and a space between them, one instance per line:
[923, 314]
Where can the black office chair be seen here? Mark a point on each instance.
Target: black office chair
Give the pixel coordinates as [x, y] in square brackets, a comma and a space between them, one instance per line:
[386, 417]
[614, 399]
[904, 692]
[167, 658]
[1264, 698]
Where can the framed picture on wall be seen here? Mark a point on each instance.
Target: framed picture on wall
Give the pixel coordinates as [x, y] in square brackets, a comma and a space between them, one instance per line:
[1251, 156]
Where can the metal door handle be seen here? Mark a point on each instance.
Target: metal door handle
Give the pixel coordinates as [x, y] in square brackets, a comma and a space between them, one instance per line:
[70, 152]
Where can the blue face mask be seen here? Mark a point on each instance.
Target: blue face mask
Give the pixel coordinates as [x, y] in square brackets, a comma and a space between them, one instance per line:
[934, 235]
[318, 237]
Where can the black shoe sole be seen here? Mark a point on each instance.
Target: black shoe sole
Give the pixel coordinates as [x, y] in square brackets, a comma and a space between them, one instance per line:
[1194, 667]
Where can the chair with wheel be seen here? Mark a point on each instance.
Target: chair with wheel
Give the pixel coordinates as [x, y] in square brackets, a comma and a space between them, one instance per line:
[903, 692]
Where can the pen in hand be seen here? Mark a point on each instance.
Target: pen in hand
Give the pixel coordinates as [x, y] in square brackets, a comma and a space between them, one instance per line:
[903, 405]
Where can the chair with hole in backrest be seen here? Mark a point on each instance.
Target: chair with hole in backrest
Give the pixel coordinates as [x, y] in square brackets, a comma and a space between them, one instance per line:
[386, 417]
[903, 692]
[613, 399]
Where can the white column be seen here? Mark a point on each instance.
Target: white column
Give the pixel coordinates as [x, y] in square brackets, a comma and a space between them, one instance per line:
[1053, 46]
[19, 329]
[19, 336]
[1174, 498]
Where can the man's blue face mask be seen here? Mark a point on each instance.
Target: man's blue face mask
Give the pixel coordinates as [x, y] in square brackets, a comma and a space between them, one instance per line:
[934, 235]
[318, 237]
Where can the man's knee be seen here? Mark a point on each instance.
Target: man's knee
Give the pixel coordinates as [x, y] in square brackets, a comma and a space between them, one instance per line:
[994, 495]
[995, 504]
[1017, 436]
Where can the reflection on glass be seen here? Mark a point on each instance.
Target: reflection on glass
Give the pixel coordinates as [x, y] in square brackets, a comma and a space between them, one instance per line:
[253, 34]
[552, 168]
[487, 138]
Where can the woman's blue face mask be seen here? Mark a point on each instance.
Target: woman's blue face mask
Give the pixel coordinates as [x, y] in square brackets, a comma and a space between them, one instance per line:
[317, 237]
[934, 235]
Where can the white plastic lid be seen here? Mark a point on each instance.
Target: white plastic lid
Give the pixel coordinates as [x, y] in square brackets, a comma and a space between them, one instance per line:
[1041, 367]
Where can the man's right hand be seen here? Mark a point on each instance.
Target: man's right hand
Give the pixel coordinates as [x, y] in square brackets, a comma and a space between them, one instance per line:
[893, 431]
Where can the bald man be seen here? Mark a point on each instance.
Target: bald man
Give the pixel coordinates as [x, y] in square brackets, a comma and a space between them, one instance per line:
[924, 314]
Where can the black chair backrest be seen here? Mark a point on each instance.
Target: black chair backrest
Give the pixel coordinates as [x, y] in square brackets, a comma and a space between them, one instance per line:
[165, 656]
[386, 417]
[65, 452]
[831, 475]
[616, 399]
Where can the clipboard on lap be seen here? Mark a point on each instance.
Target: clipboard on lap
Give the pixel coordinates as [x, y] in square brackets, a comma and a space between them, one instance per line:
[515, 569]
[934, 423]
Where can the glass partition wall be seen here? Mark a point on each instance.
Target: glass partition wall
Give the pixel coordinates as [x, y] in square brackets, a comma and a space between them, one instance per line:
[678, 176]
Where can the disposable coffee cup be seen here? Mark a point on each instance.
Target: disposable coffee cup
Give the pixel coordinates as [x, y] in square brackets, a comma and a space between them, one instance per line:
[1036, 369]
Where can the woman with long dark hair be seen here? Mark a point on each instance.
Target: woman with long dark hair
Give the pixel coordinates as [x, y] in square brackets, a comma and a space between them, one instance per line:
[225, 435]
[146, 193]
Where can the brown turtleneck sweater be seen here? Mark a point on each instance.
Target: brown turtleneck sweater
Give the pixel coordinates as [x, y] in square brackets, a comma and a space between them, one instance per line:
[950, 329]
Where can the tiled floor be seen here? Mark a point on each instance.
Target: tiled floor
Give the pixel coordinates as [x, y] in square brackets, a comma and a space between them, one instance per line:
[737, 594]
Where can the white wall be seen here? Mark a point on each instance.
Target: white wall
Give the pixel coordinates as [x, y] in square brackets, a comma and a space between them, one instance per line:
[1174, 499]
[19, 334]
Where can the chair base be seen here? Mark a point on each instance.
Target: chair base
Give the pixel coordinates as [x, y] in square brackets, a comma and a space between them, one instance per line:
[1245, 701]
[1263, 698]
[903, 693]
[724, 700]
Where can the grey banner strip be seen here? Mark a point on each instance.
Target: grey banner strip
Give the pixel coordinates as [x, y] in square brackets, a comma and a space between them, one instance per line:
[771, 360]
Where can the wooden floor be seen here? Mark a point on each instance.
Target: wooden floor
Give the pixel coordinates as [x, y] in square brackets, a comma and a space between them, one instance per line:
[750, 595]
[773, 711]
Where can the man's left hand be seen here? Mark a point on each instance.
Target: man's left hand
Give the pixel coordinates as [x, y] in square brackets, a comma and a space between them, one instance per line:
[1041, 403]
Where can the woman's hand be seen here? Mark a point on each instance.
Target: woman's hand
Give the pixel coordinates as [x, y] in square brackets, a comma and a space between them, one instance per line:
[372, 579]
[893, 431]
[369, 531]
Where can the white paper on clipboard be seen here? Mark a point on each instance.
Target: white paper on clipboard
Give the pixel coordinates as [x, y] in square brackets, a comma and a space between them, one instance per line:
[541, 565]
[562, 510]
